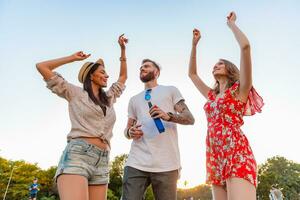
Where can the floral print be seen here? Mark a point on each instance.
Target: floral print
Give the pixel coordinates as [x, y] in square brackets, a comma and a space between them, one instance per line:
[228, 153]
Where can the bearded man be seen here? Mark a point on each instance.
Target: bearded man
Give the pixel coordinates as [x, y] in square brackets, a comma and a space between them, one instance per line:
[154, 156]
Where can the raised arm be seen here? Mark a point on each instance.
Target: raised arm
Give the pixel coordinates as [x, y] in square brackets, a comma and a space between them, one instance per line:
[200, 85]
[123, 66]
[46, 67]
[245, 62]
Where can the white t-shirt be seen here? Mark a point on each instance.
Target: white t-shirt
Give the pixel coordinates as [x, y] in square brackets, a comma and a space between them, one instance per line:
[155, 152]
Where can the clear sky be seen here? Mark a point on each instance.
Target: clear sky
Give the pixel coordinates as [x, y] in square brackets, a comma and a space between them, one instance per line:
[34, 123]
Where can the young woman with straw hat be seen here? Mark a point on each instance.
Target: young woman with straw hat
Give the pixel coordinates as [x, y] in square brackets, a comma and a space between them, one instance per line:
[83, 171]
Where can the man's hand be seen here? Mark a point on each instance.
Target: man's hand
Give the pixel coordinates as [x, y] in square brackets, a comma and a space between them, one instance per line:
[135, 132]
[156, 112]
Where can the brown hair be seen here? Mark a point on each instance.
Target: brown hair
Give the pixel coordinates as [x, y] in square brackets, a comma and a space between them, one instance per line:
[87, 86]
[153, 62]
[233, 75]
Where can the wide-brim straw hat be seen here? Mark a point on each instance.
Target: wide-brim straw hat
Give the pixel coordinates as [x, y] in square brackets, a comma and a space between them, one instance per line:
[86, 67]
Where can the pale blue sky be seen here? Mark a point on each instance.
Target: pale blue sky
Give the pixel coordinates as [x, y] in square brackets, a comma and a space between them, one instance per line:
[34, 122]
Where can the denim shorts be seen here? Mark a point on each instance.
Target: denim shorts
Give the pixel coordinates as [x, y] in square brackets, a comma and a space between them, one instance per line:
[82, 158]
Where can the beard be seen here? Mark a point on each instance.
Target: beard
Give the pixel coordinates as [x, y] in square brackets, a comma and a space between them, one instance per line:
[148, 77]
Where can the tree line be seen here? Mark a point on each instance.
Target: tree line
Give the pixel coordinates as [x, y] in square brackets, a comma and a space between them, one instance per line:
[277, 171]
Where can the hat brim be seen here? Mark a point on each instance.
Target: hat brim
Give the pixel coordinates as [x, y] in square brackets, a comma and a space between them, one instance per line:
[100, 61]
[86, 68]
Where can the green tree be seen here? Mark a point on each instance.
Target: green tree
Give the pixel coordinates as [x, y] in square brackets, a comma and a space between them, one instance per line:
[48, 198]
[116, 175]
[149, 194]
[111, 196]
[22, 176]
[202, 192]
[281, 172]
[47, 184]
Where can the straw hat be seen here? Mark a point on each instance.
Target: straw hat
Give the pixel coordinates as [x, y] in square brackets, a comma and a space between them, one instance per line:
[86, 67]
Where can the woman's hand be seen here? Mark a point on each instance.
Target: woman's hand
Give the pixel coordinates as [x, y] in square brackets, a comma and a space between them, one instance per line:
[46, 68]
[122, 41]
[123, 64]
[196, 36]
[79, 56]
[231, 18]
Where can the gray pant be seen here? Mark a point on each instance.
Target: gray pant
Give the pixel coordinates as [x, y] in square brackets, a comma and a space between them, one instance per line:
[135, 183]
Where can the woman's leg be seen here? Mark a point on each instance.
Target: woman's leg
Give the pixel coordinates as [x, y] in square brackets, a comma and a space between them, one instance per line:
[72, 187]
[238, 188]
[97, 192]
[219, 193]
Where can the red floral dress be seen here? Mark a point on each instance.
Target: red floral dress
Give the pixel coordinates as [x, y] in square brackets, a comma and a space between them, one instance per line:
[228, 153]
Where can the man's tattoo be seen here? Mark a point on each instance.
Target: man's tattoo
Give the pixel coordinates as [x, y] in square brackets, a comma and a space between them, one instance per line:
[183, 115]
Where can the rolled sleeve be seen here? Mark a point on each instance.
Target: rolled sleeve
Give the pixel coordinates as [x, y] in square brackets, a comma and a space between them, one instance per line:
[115, 91]
[58, 85]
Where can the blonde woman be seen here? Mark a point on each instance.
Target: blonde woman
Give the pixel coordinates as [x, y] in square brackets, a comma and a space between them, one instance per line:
[83, 171]
[230, 163]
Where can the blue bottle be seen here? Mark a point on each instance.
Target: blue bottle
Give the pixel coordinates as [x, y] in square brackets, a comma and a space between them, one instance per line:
[159, 125]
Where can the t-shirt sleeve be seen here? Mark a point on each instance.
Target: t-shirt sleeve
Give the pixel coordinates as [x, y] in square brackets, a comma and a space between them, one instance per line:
[131, 110]
[176, 95]
[58, 85]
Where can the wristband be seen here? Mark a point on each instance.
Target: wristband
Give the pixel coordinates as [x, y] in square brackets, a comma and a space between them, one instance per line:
[170, 115]
[128, 133]
[122, 59]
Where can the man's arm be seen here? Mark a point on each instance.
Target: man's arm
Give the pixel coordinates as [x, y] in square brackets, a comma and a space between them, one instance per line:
[182, 115]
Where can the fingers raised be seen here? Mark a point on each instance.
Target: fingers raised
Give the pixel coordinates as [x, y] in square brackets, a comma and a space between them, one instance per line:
[231, 16]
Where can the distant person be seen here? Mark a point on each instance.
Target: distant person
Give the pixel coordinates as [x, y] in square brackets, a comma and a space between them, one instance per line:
[83, 170]
[272, 195]
[275, 194]
[278, 194]
[230, 163]
[33, 189]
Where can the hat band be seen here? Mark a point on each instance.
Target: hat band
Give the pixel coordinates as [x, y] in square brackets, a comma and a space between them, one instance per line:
[86, 70]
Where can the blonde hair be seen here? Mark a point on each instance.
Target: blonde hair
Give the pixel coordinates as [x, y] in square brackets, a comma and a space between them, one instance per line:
[233, 75]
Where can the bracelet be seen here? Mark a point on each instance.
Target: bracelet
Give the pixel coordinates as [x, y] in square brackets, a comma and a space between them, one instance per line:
[122, 59]
[128, 133]
[170, 115]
